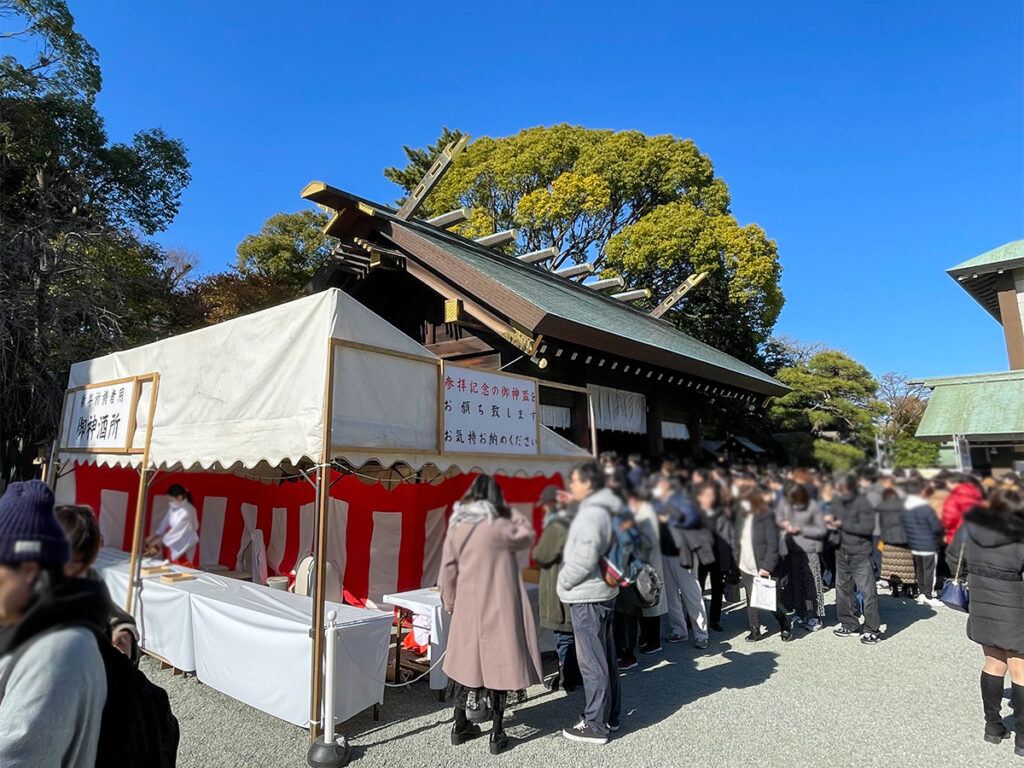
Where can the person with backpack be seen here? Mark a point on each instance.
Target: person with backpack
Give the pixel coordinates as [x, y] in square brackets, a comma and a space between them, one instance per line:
[628, 614]
[554, 614]
[83, 532]
[53, 684]
[591, 600]
[646, 519]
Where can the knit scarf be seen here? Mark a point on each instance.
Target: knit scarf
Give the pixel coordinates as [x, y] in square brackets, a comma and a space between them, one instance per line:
[471, 512]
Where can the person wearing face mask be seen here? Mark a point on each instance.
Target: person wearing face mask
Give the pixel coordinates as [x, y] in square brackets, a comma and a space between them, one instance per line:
[757, 552]
[853, 515]
[179, 531]
[714, 521]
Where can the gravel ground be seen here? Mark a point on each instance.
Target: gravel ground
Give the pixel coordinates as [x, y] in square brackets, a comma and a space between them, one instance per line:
[912, 700]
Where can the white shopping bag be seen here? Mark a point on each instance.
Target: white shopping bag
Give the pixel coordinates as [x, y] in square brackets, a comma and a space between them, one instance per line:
[764, 594]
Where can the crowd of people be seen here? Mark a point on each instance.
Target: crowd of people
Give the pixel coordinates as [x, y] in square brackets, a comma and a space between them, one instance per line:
[68, 656]
[708, 532]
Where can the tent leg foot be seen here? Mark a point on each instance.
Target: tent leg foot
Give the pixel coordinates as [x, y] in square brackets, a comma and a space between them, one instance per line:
[324, 755]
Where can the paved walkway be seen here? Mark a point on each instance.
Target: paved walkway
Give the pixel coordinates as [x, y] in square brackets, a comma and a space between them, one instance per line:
[912, 700]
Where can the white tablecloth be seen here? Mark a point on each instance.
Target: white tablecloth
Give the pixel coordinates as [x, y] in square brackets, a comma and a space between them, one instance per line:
[163, 611]
[252, 642]
[427, 602]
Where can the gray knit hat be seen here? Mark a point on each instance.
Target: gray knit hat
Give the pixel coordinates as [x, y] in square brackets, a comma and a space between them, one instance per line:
[29, 531]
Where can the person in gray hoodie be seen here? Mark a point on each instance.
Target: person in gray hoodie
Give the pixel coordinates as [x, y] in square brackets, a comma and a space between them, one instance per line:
[53, 684]
[591, 601]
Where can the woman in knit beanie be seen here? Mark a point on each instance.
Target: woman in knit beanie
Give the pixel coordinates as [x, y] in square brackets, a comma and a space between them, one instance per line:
[53, 684]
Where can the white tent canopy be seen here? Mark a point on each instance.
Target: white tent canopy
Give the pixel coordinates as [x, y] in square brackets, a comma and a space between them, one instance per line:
[249, 393]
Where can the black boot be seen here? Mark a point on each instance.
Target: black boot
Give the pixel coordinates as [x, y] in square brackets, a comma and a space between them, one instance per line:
[463, 730]
[499, 739]
[991, 702]
[1017, 699]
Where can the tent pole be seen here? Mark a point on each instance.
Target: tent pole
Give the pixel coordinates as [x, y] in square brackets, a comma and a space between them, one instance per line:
[140, 503]
[323, 490]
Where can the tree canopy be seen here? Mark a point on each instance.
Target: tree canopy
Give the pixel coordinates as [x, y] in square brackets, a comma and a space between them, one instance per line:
[648, 208]
[834, 399]
[78, 277]
[288, 248]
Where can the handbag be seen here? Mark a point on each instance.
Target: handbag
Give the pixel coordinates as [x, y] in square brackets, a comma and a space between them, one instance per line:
[954, 591]
[763, 594]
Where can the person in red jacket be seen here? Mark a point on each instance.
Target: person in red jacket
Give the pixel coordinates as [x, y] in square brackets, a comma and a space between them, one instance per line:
[964, 495]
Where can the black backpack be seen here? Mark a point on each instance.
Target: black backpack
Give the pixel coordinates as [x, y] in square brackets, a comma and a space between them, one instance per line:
[138, 729]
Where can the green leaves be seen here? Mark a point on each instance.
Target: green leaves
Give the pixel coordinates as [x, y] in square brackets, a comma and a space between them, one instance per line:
[834, 398]
[288, 248]
[77, 278]
[648, 208]
[55, 57]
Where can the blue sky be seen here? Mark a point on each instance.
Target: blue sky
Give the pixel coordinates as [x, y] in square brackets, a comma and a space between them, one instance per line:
[878, 143]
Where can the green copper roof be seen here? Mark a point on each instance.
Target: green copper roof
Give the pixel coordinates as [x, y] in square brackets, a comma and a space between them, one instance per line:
[1009, 256]
[983, 407]
[983, 277]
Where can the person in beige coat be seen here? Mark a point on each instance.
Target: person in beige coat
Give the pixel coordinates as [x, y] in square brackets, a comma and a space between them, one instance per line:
[492, 642]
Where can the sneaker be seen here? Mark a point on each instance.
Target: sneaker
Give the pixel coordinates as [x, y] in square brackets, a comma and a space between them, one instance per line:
[675, 637]
[870, 638]
[754, 636]
[882, 584]
[583, 732]
[797, 621]
[844, 632]
[814, 625]
[627, 662]
[650, 648]
[701, 644]
[787, 635]
[932, 602]
[614, 728]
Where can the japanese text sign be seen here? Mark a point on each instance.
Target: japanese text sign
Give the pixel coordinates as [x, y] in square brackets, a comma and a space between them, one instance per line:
[489, 412]
[101, 417]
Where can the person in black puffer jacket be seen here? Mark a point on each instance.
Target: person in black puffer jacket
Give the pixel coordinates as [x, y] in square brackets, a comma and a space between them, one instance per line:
[854, 516]
[995, 559]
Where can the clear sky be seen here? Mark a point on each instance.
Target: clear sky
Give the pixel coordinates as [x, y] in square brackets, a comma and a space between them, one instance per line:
[879, 143]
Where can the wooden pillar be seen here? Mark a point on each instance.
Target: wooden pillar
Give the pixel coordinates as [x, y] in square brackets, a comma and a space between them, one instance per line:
[320, 531]
[580, 423]
[696, 430]
[655, 440]
[1013, 328]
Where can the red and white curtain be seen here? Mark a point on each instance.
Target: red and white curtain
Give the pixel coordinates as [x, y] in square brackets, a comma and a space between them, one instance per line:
[380, 540]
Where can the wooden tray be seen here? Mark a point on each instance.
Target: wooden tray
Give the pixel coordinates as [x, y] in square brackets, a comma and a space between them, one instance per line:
[170, 578]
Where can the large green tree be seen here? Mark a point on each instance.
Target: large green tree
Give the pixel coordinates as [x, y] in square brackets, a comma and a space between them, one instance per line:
[648, 208]
[78, 276]
[834, 399]
[288, 248]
